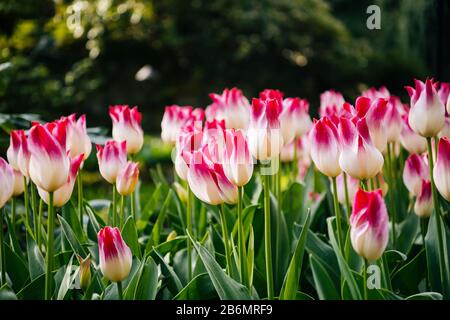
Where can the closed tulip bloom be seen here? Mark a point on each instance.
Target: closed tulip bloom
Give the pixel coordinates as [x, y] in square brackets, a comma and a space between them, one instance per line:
[207, 179]
[445, 132]
[410, 140]
[111, 158]
[330, 99]
[444, 95]
[23, 156]
[6, 182]
[375, 113]
[325, 147]
[352, 187]
[77, 139]
[414, 171]
[189, 139]
[427, 114]
[369, 232]
[238, 163]
[62, 195]
[441, 171]
[264, 135]
[373, 93]
[175, 118]
[423, 207]
[127, 178]
[359, 157]
[393, 119]
[127, 127]
[231, 106]
[115, 255]
[19, 185]
[49, 165]
[13, 150]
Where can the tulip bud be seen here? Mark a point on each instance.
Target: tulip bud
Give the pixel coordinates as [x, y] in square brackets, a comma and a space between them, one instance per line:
[410, 140]
[19, 185]
[171, 236]
[423, 207]
[441, 171]
[238, 163]
[127, 178]
[111, 158]
[127, 127]
[77, 139]
[359, 157]
[427, 114]
[115, 255]
[23, 155]
[175, 118]
[13, 150]
[181, 192]
[62, 195]
[49, 165]
[352, 187]
[375, 114]
[6, 182]
[299, 112]
[369, 224]
[325, 147]
[330, 99]
[232, 106]
[414, 171]
[393, 119]
[85, 272]
[264, 136]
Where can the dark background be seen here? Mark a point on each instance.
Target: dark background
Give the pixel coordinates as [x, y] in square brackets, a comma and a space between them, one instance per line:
[301, 47]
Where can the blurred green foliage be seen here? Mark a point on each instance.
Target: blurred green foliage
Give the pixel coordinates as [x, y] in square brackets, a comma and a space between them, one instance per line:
[61, 56]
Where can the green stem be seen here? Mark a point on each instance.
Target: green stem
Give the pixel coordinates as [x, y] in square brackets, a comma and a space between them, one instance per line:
[241, 240]
[49, 253]
[80, 196]
[268, 238]
[114, 209]
[2, 249]
[122, 211]
[337, 212]
[347, 198]
[437, 211]
[364, 184]
[372, 185]
[392, 194]
[189, 228]
[120, 290]
[226, 239]
[423, 228]
[41, 223]
[26, 203]
[366, 296]
[133, 205]
[13, 212]
[34, 208]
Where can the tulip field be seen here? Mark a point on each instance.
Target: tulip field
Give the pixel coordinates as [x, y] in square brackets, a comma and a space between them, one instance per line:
[260, 201]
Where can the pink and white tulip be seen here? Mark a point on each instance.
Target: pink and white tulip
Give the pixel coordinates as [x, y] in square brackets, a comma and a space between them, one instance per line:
[423, 207]
[294, 119]
[414, 171]
[444, 95]
[238, 163]
[352, 187]
[427, 114]
[441, 171]
[330, 100]
[373, 93]
[49, 165]
[111, 158]
[231, 106]
[189, 140]
[325, 147]
[14, 148]
[175, 118]
[127, 127]
[77, 139]
[6, 182]
[369, 224]
[19, 184]
[359, 157]
[410, 140]
[115, 256]
[393, 119]
[375, 113]
[127, 178]
[62, 195]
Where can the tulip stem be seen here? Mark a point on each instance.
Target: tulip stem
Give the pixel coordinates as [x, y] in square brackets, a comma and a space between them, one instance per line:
[337, 212]
[442, 257]
[120, 290]
[268, 237]
[13, 213]
[366, 296]
[80, 196]
[122, 211]
[372, 185]
[347, 198]
[2, 249]
[189, 228]
[26, 204]
[41, 223]
[241, 240]
[226, 239]
[49, 253]
[133, 205]
[114, 209]
[392, 204]
[34, 208]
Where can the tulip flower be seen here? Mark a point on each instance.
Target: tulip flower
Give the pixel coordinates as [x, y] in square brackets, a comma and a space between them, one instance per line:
[175, 118]
[359, 157]
[189, 139]
[19, 183]
[410, 140]
[427, 114]
[231, 106]
[423, 207]
[111, 158]
[49, 165]
[352, 186]
[444, 95]
[77, 139]
[375, 113]
[270, 94]
[330, 99]
[369, 231]
[6, 182]
[62, 195]
[414, 171]
[393, 119]
[14, 147]
[441, 171]
[127, 127]
[115, 255]
[264, 136]
[325, 147]
[238, 163]
[373, 93]
[127, 178]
